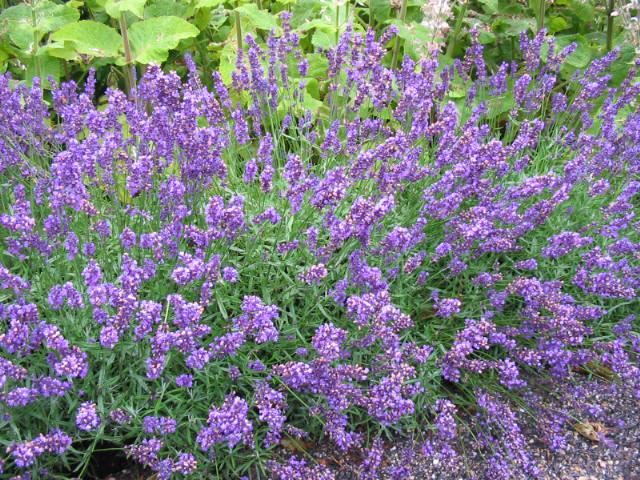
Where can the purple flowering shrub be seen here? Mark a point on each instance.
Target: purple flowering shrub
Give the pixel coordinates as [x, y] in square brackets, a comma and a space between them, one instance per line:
[195, 275]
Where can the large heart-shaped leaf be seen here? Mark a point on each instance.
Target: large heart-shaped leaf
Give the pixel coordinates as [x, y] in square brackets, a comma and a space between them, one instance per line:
[59, 50]
[324, 38]
[581, 56]
[490, 7]
[152, 39]
[90, 38]
[26, 24]
[115, 7]
[208, 3]
[381, 10]
[228, 57]
[42, 65]
[256, 18]
[163, 8]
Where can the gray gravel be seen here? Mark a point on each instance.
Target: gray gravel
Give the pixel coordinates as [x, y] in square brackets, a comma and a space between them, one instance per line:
[614, 457]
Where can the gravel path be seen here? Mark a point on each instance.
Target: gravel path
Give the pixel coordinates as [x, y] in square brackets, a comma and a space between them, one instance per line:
[616, 456]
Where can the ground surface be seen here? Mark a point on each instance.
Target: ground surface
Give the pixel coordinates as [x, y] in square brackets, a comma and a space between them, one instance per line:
[614, 457]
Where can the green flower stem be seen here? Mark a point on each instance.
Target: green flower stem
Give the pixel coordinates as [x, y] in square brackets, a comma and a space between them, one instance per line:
[36, 41]
[541, 13]
[456, 30]
[337, 22]
[238, 29]
[128, 57]
[396, 46]
[610, 10]
[371, 13]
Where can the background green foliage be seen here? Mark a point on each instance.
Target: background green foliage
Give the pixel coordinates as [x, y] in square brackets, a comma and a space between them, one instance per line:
[62, 40]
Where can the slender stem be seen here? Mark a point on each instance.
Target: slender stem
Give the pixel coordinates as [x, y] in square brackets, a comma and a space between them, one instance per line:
[128, 57]
[513, 49]
[541, 15]
[259, 3]
[610, 9]
[337, 21]
[202, 52]
[238, 31]
[456, 30]
[396, 46]
[36, 41]
[371, 13]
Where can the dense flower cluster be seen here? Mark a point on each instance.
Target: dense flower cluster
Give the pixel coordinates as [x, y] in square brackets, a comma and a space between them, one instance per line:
[206, 272]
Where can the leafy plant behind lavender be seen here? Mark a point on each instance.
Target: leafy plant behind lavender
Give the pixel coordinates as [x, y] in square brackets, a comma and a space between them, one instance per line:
[119, 38]
[196, 276]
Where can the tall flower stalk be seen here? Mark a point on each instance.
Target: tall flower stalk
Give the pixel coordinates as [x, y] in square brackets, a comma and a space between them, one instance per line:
[311, 276]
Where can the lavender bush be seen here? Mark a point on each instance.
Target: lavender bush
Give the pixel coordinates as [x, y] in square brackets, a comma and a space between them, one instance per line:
[193, 276]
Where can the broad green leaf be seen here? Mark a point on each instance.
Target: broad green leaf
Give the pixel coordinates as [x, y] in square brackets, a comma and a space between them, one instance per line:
[583, 10]
[457, 89]
[90, 38]
[557, 24]
[324, 39]
[115, 7]
[490, 6]
[304, 10]
[48, 67]
[381, 10]
[17, 22]
[509, 8]
[4, 56]
[318, 65]
[496, 106]
[622, 64]
[315, 23]
[404, 32]
[202, 18]
[256, 18]
[208, 3]
[228, 58]
[59, 50]
[23, 28]
[311, 103]
[51, 16]
[163, 8]
[152, 39]
[518, 25]
[486, 38]
[581, 57]
[313, 88]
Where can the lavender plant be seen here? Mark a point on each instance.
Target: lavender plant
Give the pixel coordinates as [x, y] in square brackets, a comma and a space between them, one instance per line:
[193, 275]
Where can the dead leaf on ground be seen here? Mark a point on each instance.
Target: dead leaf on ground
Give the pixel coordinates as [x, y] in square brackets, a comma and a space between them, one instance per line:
[597, 369]
[592, 430]
[296, 445]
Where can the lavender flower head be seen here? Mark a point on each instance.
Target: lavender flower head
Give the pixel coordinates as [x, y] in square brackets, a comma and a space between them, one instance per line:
[87, 418]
